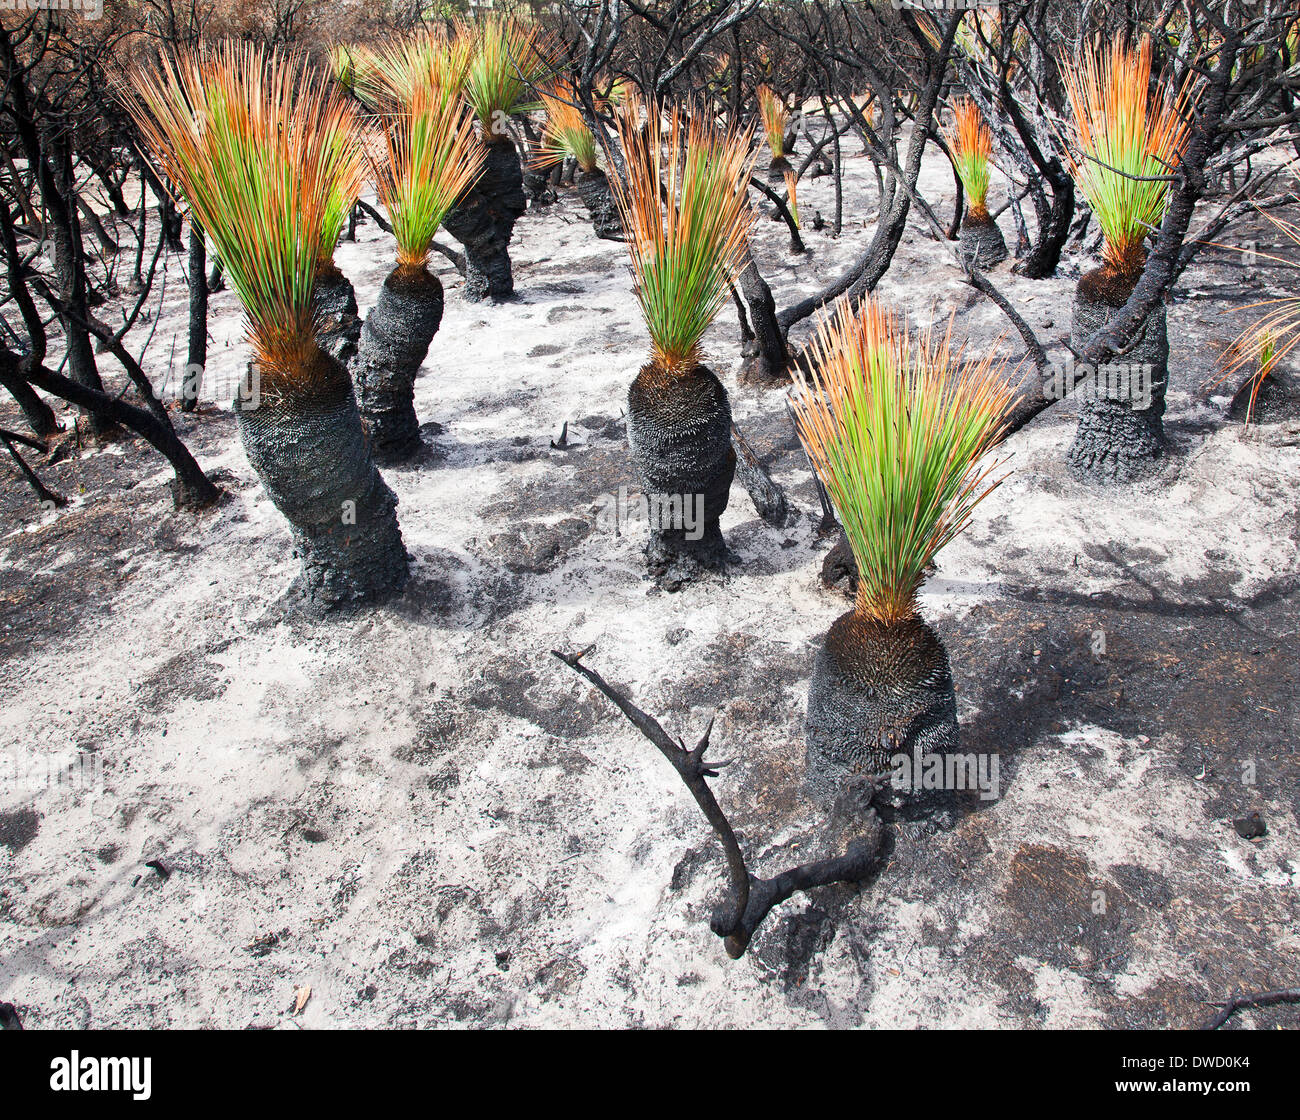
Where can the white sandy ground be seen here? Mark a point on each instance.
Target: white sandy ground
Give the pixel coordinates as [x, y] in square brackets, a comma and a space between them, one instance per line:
[454, 833]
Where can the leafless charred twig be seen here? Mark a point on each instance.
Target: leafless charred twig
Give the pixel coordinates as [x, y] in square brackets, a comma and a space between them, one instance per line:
[750, 899]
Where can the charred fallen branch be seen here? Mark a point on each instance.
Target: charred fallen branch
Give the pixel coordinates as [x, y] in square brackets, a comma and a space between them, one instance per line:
[1244, 1002]
[749, 898]
[767, 496]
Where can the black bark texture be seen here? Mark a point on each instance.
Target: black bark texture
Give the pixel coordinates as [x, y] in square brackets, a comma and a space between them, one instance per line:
[777, 168]
[840, 565]
[679, 429]
[394, 343]
[340, 329]
[1275, 399]
[593, 189]
[1116, 440]
[877, 691]
[484, 219]
[312, 457]
[766, 355]
[196, 355]
[39, 415]
[981, 242]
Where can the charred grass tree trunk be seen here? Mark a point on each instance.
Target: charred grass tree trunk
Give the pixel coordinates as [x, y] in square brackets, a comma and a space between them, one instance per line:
[337, 303]
[981, 240]
[777, 168]
[484, 219]
[310, 451]
[679, 429]
[594, 190]
[196, 357]
[394, 343]
[1121, 429]
[878, 690]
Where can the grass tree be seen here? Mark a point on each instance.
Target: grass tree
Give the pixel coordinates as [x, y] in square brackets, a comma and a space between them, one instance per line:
[1262, 347]
[262, 149]
[685, 207]
[1128, 138]
[896, 426]
[349, 65]
[336, 301]
[775, 119]
[971, 144]
[792, 198]
[507, 58]
[392, 73]
[567, 136]
[428, 157]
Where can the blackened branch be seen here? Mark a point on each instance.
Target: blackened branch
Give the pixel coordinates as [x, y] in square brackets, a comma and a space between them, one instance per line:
[691, 768]
[767, 496]
[855, 865]
[783, 211]
[751, 899]
[43, 493]
[1260, 999]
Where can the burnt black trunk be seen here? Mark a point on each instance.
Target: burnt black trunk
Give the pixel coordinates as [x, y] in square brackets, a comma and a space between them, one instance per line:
[196, 355]
[1120, 436]
[777, 168]
[766, 354]
[484, 219]
[593, 189]
[878, 691]
[39, 415]
[70, 266]
[679, 429]
[981, 241]
[340, 329]
[311, 454]
[394, 342]
[537, 185]
[1053, 225]
[767, 358]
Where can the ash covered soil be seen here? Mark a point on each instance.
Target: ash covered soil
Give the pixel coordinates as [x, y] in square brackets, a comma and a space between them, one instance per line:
[422, 816]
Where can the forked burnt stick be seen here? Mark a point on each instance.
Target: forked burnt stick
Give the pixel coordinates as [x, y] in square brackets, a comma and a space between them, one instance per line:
[750, 899]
